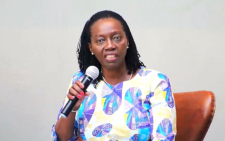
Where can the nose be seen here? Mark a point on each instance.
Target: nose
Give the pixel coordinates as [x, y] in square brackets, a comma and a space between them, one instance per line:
[110, 45]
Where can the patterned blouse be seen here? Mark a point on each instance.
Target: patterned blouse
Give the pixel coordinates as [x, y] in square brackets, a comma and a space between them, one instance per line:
[140, 109]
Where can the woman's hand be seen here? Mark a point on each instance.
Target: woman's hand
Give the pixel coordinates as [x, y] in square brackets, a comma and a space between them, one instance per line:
[76, 91]
[64, 127]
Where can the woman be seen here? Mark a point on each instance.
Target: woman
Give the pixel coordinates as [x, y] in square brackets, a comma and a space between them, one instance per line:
[127, 102]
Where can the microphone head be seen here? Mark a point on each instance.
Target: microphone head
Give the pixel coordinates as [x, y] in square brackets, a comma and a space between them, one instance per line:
[92, 71]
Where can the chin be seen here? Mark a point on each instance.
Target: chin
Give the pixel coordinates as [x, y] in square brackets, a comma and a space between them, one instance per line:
[111, 66]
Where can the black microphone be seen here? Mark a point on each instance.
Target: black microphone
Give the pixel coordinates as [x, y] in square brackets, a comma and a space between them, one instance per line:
[91, 73]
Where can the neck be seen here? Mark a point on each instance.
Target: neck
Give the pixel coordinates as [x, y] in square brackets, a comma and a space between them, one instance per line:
[115, 76]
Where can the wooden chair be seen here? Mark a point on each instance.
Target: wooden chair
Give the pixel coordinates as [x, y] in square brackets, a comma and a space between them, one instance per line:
[195, 111]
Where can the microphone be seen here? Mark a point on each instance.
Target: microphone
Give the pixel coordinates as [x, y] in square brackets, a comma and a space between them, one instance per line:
[91, 73]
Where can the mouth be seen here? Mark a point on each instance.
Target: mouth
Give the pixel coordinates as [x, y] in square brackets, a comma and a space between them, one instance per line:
[111, 57]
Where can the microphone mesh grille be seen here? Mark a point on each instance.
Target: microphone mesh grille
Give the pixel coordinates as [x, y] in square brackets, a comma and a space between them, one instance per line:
[92, 71]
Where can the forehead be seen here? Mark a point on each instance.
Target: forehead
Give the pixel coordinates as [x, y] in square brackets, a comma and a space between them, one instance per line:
[105, 26]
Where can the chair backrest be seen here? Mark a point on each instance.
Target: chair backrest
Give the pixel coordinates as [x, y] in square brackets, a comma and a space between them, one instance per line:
[195, 111]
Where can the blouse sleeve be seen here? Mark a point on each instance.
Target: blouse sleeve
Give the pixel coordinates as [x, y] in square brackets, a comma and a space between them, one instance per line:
[77, 76]
[163, 110]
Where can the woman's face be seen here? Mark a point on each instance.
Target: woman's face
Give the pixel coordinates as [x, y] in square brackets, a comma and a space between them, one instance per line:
[109, 43]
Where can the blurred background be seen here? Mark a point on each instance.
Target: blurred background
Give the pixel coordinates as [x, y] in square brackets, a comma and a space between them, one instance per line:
[183, 39]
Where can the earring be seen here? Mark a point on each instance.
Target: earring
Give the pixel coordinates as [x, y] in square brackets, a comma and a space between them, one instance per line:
[127, 46]
[92, 53]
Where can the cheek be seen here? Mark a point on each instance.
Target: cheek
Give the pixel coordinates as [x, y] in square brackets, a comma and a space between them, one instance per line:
[99, 58]
[96, 50]
[124, 49]
[123, 53]
[98, 55]
[123, 46]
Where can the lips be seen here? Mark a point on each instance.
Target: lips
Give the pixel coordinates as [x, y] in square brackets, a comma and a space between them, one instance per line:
[111, 57]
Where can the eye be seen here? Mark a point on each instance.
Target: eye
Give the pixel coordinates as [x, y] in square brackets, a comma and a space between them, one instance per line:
[100, 40]
[117, 38]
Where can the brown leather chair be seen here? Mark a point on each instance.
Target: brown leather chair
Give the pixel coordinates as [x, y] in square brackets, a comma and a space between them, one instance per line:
[195, 111]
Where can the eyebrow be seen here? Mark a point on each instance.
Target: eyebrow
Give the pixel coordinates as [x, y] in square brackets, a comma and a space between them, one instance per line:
[114, 32]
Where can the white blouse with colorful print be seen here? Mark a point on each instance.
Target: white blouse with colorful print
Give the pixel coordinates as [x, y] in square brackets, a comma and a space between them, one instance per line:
[140, 109]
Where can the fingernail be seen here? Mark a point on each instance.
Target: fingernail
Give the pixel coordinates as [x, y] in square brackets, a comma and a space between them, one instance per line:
[71, 97]
[79, 96]
[82, 86]
[82, 93]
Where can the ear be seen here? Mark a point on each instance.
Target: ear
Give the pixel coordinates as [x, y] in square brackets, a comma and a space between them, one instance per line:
[90, 47]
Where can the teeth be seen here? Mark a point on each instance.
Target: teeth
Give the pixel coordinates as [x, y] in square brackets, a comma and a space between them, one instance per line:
[110, 56]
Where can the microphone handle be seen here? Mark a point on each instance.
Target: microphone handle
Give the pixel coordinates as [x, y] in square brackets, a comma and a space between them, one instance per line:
[71, 103]
[86, 82]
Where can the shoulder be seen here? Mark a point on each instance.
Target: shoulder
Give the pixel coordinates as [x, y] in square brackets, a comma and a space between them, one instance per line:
[147, 73]
[77, 76]
[154, 78]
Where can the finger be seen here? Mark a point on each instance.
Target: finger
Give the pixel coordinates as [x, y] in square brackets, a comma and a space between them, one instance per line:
[80, 84]
[77, 88]
[86, 93]
[70, 96]
[73, 93]
[81, 94]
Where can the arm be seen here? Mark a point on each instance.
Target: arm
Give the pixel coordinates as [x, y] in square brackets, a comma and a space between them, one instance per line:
[67, 128]
[63, 130]
[163, 111]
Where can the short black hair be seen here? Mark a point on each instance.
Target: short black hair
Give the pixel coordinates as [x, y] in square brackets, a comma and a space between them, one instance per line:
[86, 59]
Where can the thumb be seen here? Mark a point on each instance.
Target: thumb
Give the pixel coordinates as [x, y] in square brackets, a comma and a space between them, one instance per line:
[86, 93]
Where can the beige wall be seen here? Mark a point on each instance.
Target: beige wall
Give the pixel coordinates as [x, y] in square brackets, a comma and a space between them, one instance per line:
[183, 39]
